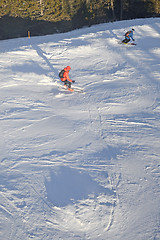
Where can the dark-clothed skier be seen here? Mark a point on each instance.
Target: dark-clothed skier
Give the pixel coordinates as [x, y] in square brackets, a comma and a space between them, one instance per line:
[128, 36]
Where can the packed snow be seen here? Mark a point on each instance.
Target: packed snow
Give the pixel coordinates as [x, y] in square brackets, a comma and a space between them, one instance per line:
[81, 166]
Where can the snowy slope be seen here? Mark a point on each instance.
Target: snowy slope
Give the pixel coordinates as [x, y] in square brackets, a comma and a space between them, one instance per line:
[81, 166]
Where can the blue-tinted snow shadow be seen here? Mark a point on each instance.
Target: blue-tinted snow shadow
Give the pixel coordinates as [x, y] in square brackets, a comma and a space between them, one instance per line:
[30, 67]
[41, 54]
[68, 185]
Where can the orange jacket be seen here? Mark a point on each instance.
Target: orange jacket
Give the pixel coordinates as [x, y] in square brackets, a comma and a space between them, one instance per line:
[66, 76]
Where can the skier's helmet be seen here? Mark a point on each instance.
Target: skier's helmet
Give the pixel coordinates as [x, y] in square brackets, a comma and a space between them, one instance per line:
[68, 68]
[133, 29]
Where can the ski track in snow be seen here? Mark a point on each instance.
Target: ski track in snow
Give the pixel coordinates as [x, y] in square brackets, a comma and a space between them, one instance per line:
[81, 166]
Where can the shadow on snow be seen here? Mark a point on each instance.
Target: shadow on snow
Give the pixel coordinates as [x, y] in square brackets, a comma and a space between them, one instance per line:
[67, 185]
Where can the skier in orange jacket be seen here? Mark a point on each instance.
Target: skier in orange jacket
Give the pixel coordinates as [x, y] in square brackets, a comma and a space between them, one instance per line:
[64, 75]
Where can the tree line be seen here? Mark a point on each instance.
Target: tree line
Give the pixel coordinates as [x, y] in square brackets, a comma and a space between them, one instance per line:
[87, 10]
[79, 13]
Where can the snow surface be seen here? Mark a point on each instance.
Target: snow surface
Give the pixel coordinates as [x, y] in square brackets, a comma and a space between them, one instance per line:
[81, 166]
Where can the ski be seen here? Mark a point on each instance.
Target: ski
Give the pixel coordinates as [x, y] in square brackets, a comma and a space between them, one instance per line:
[78, 90]
[75, 90]
[72, 90]
[129, 43]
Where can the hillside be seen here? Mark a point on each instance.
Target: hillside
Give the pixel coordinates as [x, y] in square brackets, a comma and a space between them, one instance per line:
[81, 166]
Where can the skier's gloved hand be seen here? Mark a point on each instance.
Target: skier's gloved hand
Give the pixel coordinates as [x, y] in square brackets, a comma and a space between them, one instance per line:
[73, 81]
[133, 40]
